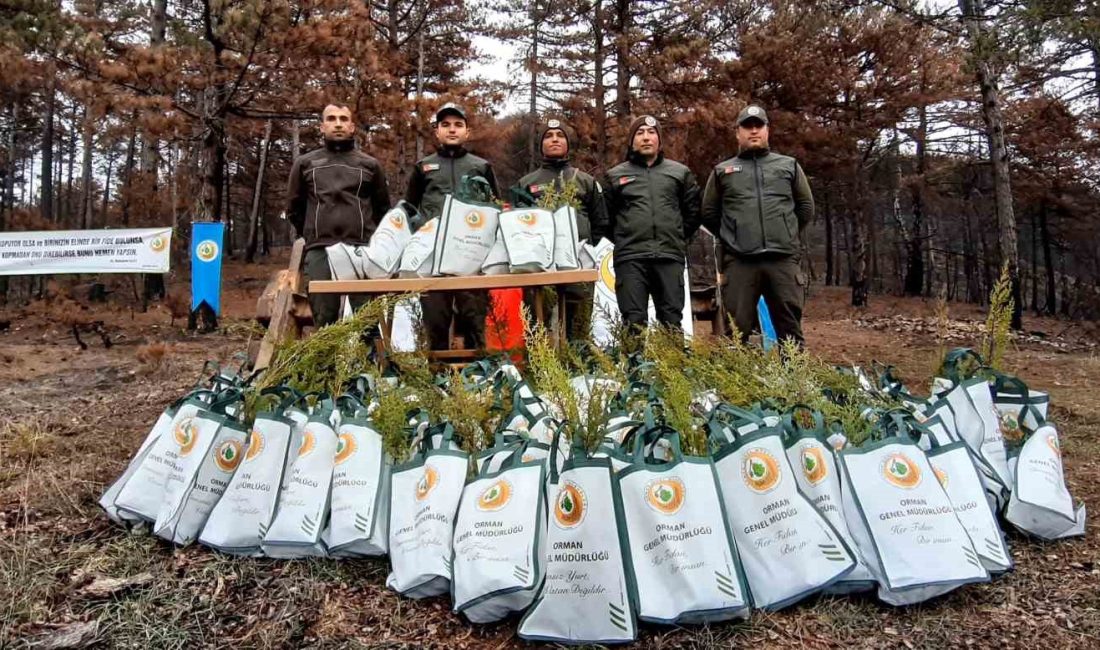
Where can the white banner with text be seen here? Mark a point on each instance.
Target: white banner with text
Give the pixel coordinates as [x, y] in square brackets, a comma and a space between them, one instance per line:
[133, 250]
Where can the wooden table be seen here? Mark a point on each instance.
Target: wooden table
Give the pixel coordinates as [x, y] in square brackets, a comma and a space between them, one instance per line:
[463, 283]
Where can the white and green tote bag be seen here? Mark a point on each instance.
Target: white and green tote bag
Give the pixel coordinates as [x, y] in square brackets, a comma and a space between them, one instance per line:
[359, 504]
[1040, 504]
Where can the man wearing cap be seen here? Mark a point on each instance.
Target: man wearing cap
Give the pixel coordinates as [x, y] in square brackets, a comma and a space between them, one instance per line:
[335, 194]
[758, 203]
[653, 205]
[432, 178]
[553, 174]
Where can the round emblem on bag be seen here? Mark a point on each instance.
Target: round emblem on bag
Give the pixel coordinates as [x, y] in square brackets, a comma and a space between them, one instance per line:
[760, 471]
[1055, 446]
[397, 221]
[495, 497]
[571, 506]
[158, 243]
[813, 464]
[528, 219]
[428, 480]
[228, 455]
[428, 227]
[309, 441]
[607, 273]
[941, 476]
[901, 471]
[665, 495]
[1010, 425]
[186, 435]
[650, 121]
[255, 445]
[345, 447]
[475, 220]
[207, 250]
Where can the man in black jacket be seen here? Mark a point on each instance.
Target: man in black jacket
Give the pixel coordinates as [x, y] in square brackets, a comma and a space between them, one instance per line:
[432, 178]
[335, 194]
[758, 203]
[653, 205]
[554, 174]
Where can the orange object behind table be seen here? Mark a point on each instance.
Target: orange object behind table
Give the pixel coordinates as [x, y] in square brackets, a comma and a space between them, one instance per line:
[504, 324]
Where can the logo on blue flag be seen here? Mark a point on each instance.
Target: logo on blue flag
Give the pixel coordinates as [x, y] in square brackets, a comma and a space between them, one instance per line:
[206, 264]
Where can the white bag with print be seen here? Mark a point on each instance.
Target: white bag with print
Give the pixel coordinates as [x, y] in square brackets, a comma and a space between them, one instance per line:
[1021, 409]
[464, 237]
[424, 497]
[359, 504]
[496, 262]
[239, 520]
[199, 478]
[566, 257]
[383, 252]
[346, 262]
[1040, 503]
[788, 549]
[978, 426]
[528, 235]
[500, 541]
[587, 596]
[419, 254]
[300, 513]
[684, 561]
[163, 426]
[904, 523]
[955, 470]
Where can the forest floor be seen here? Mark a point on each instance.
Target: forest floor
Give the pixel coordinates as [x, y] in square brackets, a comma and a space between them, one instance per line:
[70, 420]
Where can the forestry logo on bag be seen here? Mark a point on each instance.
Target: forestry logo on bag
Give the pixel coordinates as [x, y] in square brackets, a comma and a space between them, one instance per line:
[228, 455]
[495, 497]
[1010, 425]
[397, 221]
[528, 219]
[427, 483]
[813, 464]
[941, 476]
[255, 445]
[475, 220]
[1055, 446]
[345, 447]
[607, 274]
[901, 471]
[760, 471]
[207, 250]
[665, 495]
[428, 227]
[158, 243]
[186, 435]
[309, 441]
[571, 506]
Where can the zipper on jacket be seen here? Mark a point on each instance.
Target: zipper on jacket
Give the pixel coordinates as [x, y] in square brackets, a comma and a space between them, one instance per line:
[760, 201]
[652, 208]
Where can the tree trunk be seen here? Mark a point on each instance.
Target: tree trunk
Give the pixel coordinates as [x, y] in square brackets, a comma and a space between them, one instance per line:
[106, 188]
[624, 20]
[1035, 259]
[70, 160]
[599, 59]
[980, 43]
[45, 204]
[87, 198]
[254, 226]
[533, 146]
[128, 172]
[829, 265]
[1048, 261]
[158, 20]
[419, 100]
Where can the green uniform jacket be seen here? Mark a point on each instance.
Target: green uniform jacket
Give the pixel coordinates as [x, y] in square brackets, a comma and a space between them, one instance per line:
[654, 210]
[758, 203]
[336, 194]
[592, 212]
[437, 175]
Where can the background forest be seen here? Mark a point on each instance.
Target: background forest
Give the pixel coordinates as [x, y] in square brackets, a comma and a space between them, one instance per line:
[942, 139]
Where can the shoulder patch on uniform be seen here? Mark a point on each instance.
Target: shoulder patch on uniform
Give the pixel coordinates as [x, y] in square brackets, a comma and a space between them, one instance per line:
[429, 167]
[623, 180]
[731, 169]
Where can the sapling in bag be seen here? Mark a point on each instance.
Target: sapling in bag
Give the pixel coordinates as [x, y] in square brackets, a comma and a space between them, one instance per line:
[359, 505]
[813, 463]
[303, 504]
[528, 235]
[239, 520]
[424, 497]
[465, 234]
[419, 254]
[141, 497]
[162, 427]
[904, 522]
[201, 471]
[499, 540]
[789, 550]
[684, 561]
[383, 252]
[588, 595]
[566, 254]
[1040, 504]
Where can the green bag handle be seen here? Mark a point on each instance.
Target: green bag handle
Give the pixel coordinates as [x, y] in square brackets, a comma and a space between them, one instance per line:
[287, 396]
[225, 399]
[350, 405]
[648, 439]
[790, 424]
[555, 444]
[473, 188]
[1010, 385]
[739, 415]
[955, 358]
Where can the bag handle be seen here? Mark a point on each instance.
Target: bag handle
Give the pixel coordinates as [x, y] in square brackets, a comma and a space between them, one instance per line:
[286, 394]
[955, 358]
[225, 399]
[791, 425]
[649, 438]
[1010, 385]
[350, 405]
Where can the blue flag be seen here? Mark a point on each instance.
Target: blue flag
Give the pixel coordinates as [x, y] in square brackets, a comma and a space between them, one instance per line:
[206, 264]
[767, 330]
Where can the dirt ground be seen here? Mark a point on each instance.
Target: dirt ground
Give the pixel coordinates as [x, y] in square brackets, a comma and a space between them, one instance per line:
[70, 419]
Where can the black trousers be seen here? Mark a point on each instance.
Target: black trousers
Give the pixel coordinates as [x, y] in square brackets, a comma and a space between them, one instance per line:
[638, 280]
[467, 308]
[577, 300]
[779, 280]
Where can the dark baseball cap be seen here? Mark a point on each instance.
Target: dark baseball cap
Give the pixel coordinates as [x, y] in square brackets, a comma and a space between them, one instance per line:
[752, 112]
[450, 108]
